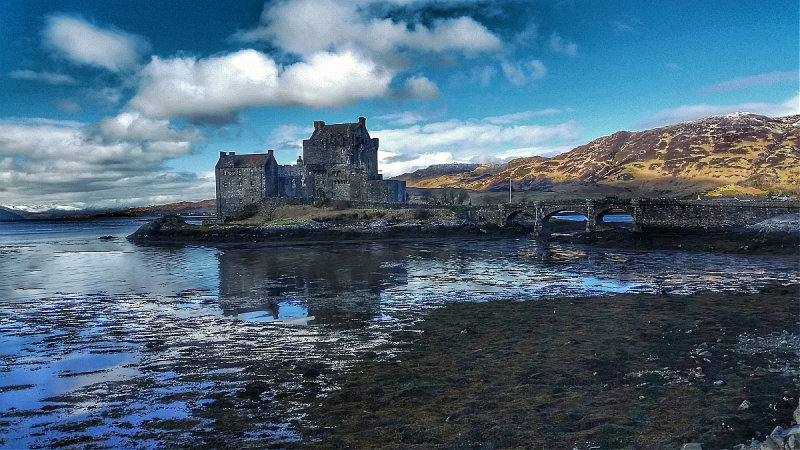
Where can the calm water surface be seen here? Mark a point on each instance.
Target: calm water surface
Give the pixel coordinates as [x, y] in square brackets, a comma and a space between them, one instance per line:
[105, 343]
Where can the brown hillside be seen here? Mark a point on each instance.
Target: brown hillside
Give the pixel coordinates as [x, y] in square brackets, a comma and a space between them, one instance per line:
[738, 153]
[199, 208]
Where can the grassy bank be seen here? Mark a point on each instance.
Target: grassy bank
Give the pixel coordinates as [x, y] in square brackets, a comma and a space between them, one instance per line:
[341, 215]
[628, 371]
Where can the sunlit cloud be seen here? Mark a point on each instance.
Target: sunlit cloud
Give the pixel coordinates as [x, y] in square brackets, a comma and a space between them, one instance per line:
[118, 162]
[214, 90]
[83, 43]
[306, 27]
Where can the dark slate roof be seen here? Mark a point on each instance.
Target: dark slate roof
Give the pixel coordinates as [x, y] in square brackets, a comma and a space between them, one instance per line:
[334, 129]
[244, 161]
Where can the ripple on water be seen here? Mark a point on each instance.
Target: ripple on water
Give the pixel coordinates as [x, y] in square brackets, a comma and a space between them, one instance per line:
[155, 345]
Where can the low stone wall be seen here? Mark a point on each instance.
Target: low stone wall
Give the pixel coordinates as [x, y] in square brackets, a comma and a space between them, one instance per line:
[708, 213]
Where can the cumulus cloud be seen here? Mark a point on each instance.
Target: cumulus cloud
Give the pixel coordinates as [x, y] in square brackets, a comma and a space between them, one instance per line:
[418, 88]
[86, 44]
[44, 77]
[694, 112]
[117, 162]
[214, 90]
[761, 79]
[468, 141]
[306, 27]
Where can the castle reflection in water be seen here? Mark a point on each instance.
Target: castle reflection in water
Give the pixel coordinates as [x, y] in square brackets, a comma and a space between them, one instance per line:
[338, 284]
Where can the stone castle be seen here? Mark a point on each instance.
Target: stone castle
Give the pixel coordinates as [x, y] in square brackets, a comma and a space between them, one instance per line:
[339, 162]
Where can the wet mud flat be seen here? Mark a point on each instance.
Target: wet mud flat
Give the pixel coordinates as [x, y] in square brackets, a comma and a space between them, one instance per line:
[622, 371]
[132, 372]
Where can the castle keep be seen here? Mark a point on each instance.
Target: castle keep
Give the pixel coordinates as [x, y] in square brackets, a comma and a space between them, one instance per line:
[339, 162]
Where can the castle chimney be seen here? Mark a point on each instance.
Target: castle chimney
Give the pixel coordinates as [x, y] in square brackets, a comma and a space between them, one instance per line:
[362, 121]
[270, 151]
[318, 124]
[222, 154]
[232, 154]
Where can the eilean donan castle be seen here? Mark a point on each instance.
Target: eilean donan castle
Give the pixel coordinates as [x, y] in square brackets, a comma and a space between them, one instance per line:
[339, 162]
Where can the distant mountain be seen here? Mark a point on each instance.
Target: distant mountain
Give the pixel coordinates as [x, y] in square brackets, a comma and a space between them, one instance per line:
[736, 154]
[201, 208]
[9, 215]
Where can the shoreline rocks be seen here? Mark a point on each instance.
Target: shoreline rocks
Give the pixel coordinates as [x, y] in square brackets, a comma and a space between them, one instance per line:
[774, 239]
[173, 229]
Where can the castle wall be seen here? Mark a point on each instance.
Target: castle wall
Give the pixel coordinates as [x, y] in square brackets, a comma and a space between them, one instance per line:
[385, 191]
[237, 187]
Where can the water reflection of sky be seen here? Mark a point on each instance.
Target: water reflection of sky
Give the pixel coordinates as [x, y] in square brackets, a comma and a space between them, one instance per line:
[126, 331]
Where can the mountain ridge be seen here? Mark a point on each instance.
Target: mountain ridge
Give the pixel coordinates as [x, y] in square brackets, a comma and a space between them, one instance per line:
[734, 154]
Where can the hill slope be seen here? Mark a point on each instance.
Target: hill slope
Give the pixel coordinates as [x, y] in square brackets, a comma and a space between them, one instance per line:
[8, 215]
[738, 153]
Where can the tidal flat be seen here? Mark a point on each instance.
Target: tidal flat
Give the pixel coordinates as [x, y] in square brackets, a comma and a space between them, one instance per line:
[621, 371]
[104, 343]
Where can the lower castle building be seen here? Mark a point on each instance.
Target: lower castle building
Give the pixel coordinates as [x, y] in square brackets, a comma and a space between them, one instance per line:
[339, 162]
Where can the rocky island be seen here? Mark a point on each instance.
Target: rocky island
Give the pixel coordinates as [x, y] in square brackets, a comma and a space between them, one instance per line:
[292, 224]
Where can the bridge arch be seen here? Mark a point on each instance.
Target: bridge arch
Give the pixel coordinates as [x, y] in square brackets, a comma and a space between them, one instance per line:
[601, 214]
[547, 226]
[521, 218]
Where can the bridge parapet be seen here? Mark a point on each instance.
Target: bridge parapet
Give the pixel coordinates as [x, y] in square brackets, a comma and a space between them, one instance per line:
[646, 212]
[670, 213]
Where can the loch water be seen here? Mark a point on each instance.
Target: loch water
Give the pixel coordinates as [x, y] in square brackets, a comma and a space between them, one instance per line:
[106, 343]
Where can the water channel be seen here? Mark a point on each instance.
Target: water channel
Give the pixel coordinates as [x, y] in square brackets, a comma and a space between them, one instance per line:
[106, 343]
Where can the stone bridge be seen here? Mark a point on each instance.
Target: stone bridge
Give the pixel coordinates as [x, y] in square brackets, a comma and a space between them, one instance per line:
[645, 212]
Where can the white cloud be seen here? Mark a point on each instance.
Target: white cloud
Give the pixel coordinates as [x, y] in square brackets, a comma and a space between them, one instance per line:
[522, 115]
[694, 112]
[44, 77]
[305, 27]
[86, 44]
[215, 89]
[289, 138]
[419, 88]
[117, 162]
[762, 79]
[410, 148]
[410, 117]
[558, 44]
[521, 73]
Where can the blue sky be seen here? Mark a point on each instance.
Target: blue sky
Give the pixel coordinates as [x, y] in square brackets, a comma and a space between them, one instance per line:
[128, 103]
